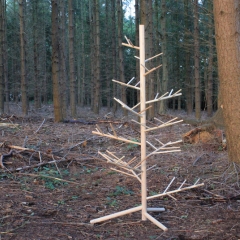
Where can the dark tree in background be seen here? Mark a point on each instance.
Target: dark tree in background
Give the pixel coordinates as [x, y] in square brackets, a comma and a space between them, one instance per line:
[68, 55]
[226, 15]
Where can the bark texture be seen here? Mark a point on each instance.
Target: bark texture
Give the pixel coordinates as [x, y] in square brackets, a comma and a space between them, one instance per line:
[227, 28]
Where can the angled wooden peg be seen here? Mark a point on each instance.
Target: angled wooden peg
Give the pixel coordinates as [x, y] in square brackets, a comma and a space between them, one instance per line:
[126, 84]
[145, 109]
[153, 57]
[151, 70]
[131, 46]
[114, 132]
[99, 129]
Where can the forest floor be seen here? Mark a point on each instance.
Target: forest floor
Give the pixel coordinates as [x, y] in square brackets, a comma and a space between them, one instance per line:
[53, 182]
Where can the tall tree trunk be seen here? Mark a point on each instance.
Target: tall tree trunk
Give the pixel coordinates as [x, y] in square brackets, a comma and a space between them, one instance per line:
[1, 60]
[152, 76]
[23, 58]
[196, 62]
[45, 74]
[227, 29]
[137, 22]
[114, 53]
[5, 57]
[164, 85]
[188, 80]
[55, 63]
[120, 52]
[209, 92]
[37, 83]
[63, 76]
[107, 59]
[97, 79]
[71, 60]
[83, 83]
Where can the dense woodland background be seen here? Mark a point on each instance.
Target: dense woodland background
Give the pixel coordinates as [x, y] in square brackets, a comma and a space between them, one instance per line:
[67, 52]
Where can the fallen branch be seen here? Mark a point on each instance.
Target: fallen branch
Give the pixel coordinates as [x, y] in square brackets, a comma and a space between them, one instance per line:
[4, 156]
[40, 126]
[10, 125]
[45, 176]
[45, 163]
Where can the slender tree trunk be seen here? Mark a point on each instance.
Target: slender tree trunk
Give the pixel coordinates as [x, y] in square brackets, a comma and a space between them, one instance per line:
[37, 90]
[196, 62]
[23, 58]
[97, 80]
[120, 52]
[5, 57]
[152, 76]
[107, 62]
[62, 75]
[55, 63]
[164, 85]
[83, 83]
[137, 22]
[210, 62]
[227, 29]
[188, 80]
[45, 74]
[1, 60]
[71, 60]
[114, 53]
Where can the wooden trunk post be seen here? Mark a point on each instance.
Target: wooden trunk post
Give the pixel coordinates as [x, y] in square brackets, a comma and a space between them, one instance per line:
[143, 120]
[127, 167]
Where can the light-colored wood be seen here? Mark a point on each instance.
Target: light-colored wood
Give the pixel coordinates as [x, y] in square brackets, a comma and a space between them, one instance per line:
[126, 107]
[116, 138]
[131, 175]
[153, 57]
[151, 70]
[112, 161]
[175, 191]
[114, 215]
[125, 84]
[132, 160]
[135, 106]
[144, 110]
[138, 123]
[99, 129]
[163, 125]
[137, 177]
[131, 46]
[114, 132]
[164, 97]
[143, 121]
[154, 221]
[130, 80]
[140, 169]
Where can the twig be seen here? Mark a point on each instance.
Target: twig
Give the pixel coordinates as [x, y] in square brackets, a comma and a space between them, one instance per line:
[40, 126]
[4, 156]
[66, 223]
[70, 148]
[45, 176]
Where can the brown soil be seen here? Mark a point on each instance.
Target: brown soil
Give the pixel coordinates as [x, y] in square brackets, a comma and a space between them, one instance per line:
[58, 200]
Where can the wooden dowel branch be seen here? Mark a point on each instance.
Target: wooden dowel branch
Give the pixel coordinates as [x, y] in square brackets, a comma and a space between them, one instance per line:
[125, 84]
[153, 57]
[126, 107]
[116, 138]
[131, 46]
[151, 70]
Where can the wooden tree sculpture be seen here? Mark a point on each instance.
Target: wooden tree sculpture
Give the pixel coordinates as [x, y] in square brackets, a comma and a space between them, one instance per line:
[130, 167]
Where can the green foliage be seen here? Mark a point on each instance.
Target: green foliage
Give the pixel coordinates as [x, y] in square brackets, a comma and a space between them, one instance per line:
[121, 191]
[111, 202]
[89, 170]
[52, 178]
[132, 146]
